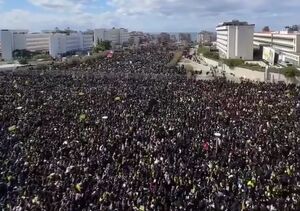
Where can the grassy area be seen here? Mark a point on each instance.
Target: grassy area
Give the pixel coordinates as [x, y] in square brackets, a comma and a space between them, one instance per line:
[176, 58]
[202, 50]
[232, 63]
[255, 67]
[212, 55]
[208, 54]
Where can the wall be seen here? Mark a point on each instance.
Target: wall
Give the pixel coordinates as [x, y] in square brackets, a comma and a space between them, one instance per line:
[297, 44]
[73, 42]
[244, 42]
[87, 41]
[38, 42]
[124, 36]
[57, 45]
[231, 42]
[6, 45]
[19, 41]
[252, 74]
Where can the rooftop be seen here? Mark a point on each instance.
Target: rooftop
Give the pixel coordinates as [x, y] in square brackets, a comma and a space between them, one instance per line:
[235, 23]
[279, 32]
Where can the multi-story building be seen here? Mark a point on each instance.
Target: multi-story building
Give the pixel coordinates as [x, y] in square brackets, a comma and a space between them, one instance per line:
[124, 36]
[285, 43]
[11, 40]
[135, 38]
[164, 38]
[115, 36]
[235, 40]
[53, 43]
[38, 42]
[185, 37]
[62, 43]
[205, 37]
[88, 40]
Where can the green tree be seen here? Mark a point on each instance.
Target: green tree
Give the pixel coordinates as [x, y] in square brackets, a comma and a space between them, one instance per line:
[102, 46]
[23, 61]
[17, 54]
[290, 72]
[107, 45]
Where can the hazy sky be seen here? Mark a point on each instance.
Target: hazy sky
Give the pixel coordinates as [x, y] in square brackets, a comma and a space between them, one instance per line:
[146, 15]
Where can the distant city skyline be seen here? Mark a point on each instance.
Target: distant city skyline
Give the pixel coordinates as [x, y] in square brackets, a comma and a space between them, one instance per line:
[145, 15]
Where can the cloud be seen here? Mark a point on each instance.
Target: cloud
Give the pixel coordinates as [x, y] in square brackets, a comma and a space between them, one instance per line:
[151, 15]
[23, 19]
[70, 6]
[193, 14]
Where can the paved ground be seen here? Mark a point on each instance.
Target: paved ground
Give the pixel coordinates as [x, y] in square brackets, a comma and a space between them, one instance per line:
[205, 68]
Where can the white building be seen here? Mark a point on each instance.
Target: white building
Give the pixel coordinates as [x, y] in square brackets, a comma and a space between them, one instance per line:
[115, 36]
[38, 42]
[63, 43]
[11, 40]
[235, 40]
[53, 43]
[286, 44]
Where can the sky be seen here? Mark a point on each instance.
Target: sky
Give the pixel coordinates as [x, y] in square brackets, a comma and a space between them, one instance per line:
[146, 15]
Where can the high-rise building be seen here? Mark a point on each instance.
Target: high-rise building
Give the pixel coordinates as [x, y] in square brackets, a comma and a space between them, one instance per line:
[235, 40]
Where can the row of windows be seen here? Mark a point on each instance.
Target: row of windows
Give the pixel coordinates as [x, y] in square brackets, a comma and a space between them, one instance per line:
[287, 46]
[274, 37]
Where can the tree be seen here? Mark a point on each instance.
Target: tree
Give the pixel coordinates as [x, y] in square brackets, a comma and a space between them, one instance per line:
[102, 46]
[17, 54]
[266, 29]
[23, 61]
[106, 45]
[290, 72]
[295, 28]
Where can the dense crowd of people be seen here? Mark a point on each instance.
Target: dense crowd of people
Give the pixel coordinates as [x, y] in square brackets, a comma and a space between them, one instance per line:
[89, 143]
[146, 61]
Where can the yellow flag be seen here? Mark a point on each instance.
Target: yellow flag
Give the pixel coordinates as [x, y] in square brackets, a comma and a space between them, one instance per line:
[78, 187]
[82, 117]
[12, 128]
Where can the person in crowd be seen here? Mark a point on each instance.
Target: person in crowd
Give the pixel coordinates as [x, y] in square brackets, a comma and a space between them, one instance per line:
[141, 143]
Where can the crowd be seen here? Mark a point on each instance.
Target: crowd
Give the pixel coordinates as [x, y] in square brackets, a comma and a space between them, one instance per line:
[146, 61]
[71, 143]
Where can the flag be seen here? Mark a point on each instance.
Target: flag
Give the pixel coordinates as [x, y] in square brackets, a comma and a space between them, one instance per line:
[110, 54]
[82, 117]
[12, 128]
[117, 98]
[206, 146]
[78, 187]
